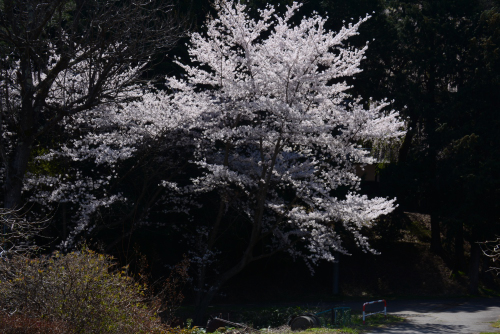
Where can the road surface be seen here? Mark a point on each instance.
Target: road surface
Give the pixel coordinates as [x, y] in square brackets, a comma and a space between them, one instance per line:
[458, 316]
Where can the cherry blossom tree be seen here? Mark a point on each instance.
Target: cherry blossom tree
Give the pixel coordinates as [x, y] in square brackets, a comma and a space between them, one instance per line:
[71, 83]
[101, 146]
[279, 137]
[82, 171]
[263, 111]
[62, 58]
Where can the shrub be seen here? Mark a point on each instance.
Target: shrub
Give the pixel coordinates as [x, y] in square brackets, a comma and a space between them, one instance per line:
[20, 324]
[80, 290]
[168, 295]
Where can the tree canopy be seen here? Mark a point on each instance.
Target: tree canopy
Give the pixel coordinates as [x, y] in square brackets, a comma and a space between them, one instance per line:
[243, 141]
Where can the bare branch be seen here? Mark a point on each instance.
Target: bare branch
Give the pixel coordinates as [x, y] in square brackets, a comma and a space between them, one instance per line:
[17, 232]
[492, 250]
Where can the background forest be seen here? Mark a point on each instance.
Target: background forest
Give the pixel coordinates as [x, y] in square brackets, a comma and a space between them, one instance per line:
[90, 157]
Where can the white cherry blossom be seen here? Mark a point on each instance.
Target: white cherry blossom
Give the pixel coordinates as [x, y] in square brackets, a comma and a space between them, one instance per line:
[280, 134]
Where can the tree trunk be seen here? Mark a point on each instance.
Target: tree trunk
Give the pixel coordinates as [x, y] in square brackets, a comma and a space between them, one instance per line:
[430, 126]
[64, 221]
[436, 246]
[432, 190]
[17, 166]
[336, 271]
[459, 248]
[201, 308]
[407, 142]
[203, 303]
[212, 237]
[475, 256]
[15, 176]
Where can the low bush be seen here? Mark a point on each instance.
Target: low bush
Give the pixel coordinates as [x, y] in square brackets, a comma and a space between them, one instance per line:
[20, 324]
[81, 292]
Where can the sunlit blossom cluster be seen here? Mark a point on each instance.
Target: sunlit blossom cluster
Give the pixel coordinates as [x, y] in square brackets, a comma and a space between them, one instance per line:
[272, 104]
[264, 106]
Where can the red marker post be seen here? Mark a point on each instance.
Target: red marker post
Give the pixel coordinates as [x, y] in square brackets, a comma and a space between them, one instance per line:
[376, 301]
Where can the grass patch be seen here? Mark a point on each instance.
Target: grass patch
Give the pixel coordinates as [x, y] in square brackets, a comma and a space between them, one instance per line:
[377, 320]
[489, 292]
[496, 324]
[274, 320]
[328, 331]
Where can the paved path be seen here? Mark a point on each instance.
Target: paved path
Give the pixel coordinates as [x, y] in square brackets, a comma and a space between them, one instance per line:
[447, 316]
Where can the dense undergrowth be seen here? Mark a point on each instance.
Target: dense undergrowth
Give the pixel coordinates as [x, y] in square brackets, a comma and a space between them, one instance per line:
[79, 292]
[87, 292]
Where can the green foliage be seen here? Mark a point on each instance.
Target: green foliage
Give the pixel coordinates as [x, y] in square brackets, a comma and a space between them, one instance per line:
[79, 290]
[375, 320]
[43, 167]
[323, 330]
[496, 324]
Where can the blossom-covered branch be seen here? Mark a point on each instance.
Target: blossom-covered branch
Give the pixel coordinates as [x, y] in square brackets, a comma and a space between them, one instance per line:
[280, 134]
